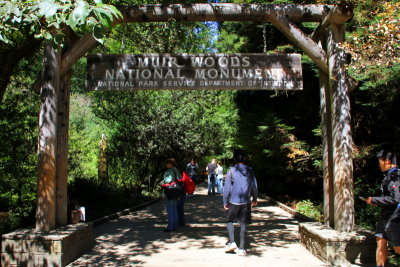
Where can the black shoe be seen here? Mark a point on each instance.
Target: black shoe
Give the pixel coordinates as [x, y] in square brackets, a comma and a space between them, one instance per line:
[167, 230]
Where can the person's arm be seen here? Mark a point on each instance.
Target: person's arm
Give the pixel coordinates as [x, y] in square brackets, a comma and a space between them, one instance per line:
[254, 190]
[389, 200]
[227, 189]
[392, 199]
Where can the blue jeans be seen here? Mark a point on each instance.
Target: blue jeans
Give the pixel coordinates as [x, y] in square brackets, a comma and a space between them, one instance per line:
[172, 213]
[220, 184]
[211, 184]
[181, 211]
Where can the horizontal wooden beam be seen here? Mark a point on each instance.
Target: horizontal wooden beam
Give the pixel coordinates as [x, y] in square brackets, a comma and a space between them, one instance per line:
[222, 12]
[287, 14]
[199, 12]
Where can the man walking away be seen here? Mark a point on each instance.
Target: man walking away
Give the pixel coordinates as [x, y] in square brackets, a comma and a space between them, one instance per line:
[240, 193]
[388, 226]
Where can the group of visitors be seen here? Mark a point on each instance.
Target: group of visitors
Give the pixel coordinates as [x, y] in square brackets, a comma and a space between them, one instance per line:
[239, 195]
[215, 177]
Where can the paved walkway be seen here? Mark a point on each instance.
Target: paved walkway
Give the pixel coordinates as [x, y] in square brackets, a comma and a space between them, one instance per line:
[138, 239]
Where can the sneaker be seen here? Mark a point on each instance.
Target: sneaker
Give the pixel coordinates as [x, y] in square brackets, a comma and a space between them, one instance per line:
[230, 247]
[241, 252]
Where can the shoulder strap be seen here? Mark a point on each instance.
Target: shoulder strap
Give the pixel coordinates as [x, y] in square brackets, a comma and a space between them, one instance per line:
[232, 179]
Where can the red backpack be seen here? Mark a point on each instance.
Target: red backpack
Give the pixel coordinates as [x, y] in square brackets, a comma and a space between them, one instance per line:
[189, 184]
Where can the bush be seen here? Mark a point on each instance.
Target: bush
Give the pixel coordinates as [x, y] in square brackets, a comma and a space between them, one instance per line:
[309, 209]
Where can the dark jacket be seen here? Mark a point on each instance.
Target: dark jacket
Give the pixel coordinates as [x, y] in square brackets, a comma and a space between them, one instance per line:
[240, 185]
[390, 198]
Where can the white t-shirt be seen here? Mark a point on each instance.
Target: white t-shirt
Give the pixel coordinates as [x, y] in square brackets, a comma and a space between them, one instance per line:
[220, 172]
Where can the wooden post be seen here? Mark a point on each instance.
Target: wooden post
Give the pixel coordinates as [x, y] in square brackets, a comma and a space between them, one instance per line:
[47, 150]
[341, 132]
[327, 147]
[62, 149]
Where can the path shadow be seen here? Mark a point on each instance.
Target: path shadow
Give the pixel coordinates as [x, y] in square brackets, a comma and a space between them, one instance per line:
[129, 239]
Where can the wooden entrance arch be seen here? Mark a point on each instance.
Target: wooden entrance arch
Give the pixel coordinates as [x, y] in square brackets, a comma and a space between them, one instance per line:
[322, 46]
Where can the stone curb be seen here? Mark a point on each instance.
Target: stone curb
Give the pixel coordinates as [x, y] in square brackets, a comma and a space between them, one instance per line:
[295, 213]
[116, 215]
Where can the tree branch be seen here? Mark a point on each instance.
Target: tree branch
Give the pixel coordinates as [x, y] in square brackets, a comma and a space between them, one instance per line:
[10, 57]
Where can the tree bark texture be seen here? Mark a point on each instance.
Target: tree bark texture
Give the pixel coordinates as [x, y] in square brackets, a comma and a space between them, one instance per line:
[327, 145]
[47, 150]
[294, 34]
[341, 132]
[222, 12]
[62, 149]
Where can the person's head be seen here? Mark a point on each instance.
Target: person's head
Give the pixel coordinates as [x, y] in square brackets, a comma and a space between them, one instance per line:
[214, 161]
[171, 162]
[193, 161]
[239, 155]
[219, 163]
[387, 159]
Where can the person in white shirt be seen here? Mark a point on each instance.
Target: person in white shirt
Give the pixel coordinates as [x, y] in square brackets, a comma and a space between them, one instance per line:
[220, 177]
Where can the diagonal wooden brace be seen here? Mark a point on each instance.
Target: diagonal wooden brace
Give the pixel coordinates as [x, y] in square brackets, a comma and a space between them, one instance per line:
[299, 38]
[308, 45]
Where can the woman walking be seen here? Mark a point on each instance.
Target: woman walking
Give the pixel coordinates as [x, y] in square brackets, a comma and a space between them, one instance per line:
[172, 174]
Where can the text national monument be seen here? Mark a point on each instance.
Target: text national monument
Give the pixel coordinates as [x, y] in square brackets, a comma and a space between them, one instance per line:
[194, 71]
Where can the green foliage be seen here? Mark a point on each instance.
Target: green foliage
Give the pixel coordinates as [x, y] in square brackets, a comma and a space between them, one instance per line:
[159, 125]
[85, 134]
[46, 18]
[18, 124]
[310, 209]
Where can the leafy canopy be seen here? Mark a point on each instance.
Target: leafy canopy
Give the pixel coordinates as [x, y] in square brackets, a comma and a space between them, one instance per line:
[48, 18]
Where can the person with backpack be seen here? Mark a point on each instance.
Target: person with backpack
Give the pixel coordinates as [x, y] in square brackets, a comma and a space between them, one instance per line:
[211, 167]
[174, 206]
[388, 225]
[240, 194]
